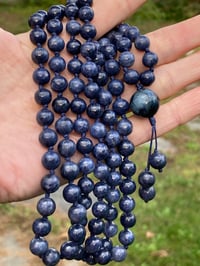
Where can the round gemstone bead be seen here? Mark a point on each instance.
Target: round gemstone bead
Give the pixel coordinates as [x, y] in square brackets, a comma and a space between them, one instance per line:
[48, 137]
[91, 90]
[102, 171]
[147, 194]
[96, 226]
[40, 55]
[71, 193]
[43, 96]
[100, 209]
[88, 50]
[77, 233]
[41, 227]
[132, 33]
[126, 59]
[127, 204]
[158, 160]
[124, 44]
[126, 237]
[146, 179]
[86, 165]
[66, 148]
[59, 84]
[126, 147]
[112, 138]
[78, 105]
[73, 27]
[112, 213]
[56, 44]
[114, 160]
[88, 31]
[55, 11]
[142, 42]
[128, 220]
[38, 246]
[71, 10]
[76, 85]
[50, 183]
[120, 106]
[64, 125]
[147, 77]
[54, 26]
[95, 111]
[73, 46]
[38, 36]
[37, 19]
[86, 185]
[127, 187]
[109, 117]
[113, 195]
[116, 87]
[69, 170]
[150, 59]
[84, 145]
[112, 67]
[57, 64]
[77, 213]
[102, 78]
[74, 66]
[93, 244]
[127, 168]
[51, 257]
[60, 105]
[81, 125]
[100, 189]
[89, 69]
[124, 127]
[51, 160]
[119, 253]
[45, 117]
[144, 103]
[41, 76]
[104, 97]
[104, 257]
[114, 179]
[46, 206]
[131, 76]
[111, 229]
[86, 13]
[100, 151]
[69, 250]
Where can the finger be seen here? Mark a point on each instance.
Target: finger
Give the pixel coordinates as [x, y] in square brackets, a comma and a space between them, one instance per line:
[173, 41]
[170, 115]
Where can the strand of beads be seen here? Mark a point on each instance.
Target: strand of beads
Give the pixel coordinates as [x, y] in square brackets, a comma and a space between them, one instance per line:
[99, 108]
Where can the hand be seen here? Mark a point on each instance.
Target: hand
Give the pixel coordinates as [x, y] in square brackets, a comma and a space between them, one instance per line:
[21, 169]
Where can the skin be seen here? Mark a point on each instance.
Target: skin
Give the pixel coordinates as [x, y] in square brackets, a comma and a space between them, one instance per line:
[20, 154]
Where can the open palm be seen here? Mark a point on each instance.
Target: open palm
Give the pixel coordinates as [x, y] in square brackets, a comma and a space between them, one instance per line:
[20, 152]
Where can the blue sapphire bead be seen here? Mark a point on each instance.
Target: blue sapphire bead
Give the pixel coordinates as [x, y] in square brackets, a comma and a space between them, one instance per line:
[86, 185]
[150, 59]
[74, 66]
[131, 76]
[76, 85]
[100, 209]
[88, 50]
[120, 106]
[54, 26]
[59, 84]
[73, 46]
[112, 213]
[43, 96]
[144, 103]
[81, 125]
[37, 20]
[51, 257]
[100, 151]
[41, 227]
[86, 201]
[93, 244]
[142, 42]
[64, 125]
[119, 253]
[56, 44]
[41, 76]
[77, 213]
[147, 77]
[71, 193]
[102, 78]
[40, 55]
[112, 138]
[109, 51]
[124, 44]
[51, 160]
[102, 171]
[86, 13]
[100, 189]
[88, 31]
[128, 186]
[38, 246]
[147, 194]
[46, 206]
[94, 110]
[57, 64]
[69, 250]
[84, 145]
[45, 117]
[69, 170]
[157, 160]
[60, 105]
[109, 117]
[126, 147]
[110, 230]
[114, 179]
[113, 196]
[126, 59]
[146, 179]
[73, 27]
[48, 137]
[132, 33]
[124, 127]
[38, 36]
[56, 11]
[71, 10]
[50, 183]
[78, 105]
[77, 233]
[116, 87]
[127, 168]
[126, 204]
[104, 97]
[89, 69]
[114, 160]
[128, 220]
[66, 148]
[126, 237]
[98, 130]
[104, 257]
[91, 90]
[86, 165]
[112, 67]
[96, 226]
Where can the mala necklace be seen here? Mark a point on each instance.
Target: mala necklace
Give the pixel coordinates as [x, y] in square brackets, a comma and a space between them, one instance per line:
[99, 71]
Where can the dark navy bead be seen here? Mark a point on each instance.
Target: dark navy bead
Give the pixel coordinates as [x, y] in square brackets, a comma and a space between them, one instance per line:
[124, 127]
[126, 237]
[96, 226]
[157, 160]
[120, 106]
[71, 10]
[48, 137]
[66, 148]
[150, 59]
[84, 145]
[86, 201]
[86, 165]
[109, 51]
[112, 196]
[69, 170]
[54, 26]
[98, 130]
[126, 59]
[112, 214]
[144, 103]
[114, 179]
[77, 233]
[73, 46]
[142, 42]
[74, 66]
[86, 13]
[51, 160]
[124, 44]
[41, 227]
[81, 125]
[86, 185]
[88, 50]
[102, 171]
[73, 27]
[38, 246]
[57, 64]
[112, 67]
[51, 257]
[59, 84]
[119, 253]
[147, 194]
[37, 19]
[100, 190]
[45, 117]
[50, 183]
[88, 31]
[99, 59]
[78, 106]
[60, 105]
[76, 85]
[132, 33]
[91, 90]
[127, 187]
[100, 151]
[69, 250]
[93, 244]
[71, 193]
[81, 3]
[64, 125]
[38, 36]
[77, 213]
[147, 77]
[100, 209]
[56, 44]
[127, 168]
[126, 204]
[107, 244]
[102, 78]
[146, 179]
[89, 69]
[41, 76]
[46, 206]
[104, 97]
[112, 138]
[55, 11]
[128, 220]
[114, 160]
[40, 55]
[131, 76]
[111, 229]
[94, 110]
[116, 87]
[43, 96]
[126, 147]
[109, 117]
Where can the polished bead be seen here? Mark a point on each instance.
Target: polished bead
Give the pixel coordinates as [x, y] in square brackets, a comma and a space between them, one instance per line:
[120, 106]
[88, 50]
[74, 66]
[81, 3]
[114, 179]
[73, 27]
[112, 67]
[59, 84]
[57, 64]
[147, 77]
[132, 33]
[114, 160]
[48, 137]
[94, 110]
[69, 170]
[88, 31]
[100, 209]
[157, 160]
[40, 55]
[116, 87]
[91, 90]
[81, 125]
[41, 227]
[146, 179]
[37, 19]
[109, 117]
[126, 147]
[77, 213]
[86, 185]
[71, 193]
[41, 76]
[102, 78]
[124, 44]
[38, 246]
[100, 151]
[38, 36]
[118, 253]
[109, 51]
[142, 42]
[71, 10]
[112, 138]
[127, 187]
[101, 189]
[55, 11]
[144, 103]
[124, 127]
[147, 194]
[112, 213]
[131, 76]
[127, 204]
[50, 183]
[102, 171]
[46, 206]
[89, 69]
[43, 96]
[126, 59]
[128, 220]
[86, 165]
[126, 237]
[110, 230]
[76, 85]
[93, 244]
[60, 105]
[66, 148]
[78, 105]
[77, 233]
[86, 201]
[98, 130]
[56, 44]
[96, 226]
[113, 195]
[86, 13]
[84, 145]
[73, 46]
[104, 257]
[127, 168]
[51, 160]
[51, 257]
[107, 244]
[64, 125]
[69, 250]
[104, 97]
[54, 26]
[45, 117]
[150, 59]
